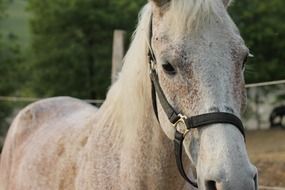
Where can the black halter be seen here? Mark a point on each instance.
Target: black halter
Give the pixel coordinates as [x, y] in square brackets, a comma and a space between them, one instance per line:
[182, 123]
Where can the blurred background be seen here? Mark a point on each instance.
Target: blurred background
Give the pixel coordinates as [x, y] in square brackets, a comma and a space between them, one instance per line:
[64, 47]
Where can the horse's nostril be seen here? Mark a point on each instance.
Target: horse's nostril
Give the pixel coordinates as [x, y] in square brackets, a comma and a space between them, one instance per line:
[211, 185]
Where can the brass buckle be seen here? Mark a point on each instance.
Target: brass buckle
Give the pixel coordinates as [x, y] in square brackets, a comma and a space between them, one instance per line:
[181, 126]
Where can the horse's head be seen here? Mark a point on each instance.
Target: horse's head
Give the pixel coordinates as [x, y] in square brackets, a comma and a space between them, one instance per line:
[200, 63]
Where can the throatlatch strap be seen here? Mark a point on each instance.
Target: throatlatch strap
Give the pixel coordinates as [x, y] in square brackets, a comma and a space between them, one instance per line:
[154, 102]
[178, 148]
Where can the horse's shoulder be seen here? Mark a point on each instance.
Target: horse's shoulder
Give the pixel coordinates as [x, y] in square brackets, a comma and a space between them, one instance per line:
[37, 114]
[60, 102]
[53, 107]
[54, 124]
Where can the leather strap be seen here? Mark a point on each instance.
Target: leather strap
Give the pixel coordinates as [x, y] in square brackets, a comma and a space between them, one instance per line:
[168, 109]
[214, 118]
[178, 148]
[154, 103]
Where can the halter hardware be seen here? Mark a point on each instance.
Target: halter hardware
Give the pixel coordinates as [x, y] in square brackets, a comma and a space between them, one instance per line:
[181, 125]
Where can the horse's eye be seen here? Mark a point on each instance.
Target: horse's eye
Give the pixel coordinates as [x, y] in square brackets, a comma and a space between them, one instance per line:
[168, 68]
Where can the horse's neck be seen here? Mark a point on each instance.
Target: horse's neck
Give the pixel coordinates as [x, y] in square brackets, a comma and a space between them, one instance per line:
[146, 155]
[149, 160]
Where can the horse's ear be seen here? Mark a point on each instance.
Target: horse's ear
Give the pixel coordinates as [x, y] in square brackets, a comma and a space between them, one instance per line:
[227, 3]
[160, 3]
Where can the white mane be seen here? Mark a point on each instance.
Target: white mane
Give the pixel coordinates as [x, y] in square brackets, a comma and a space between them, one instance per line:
[130, 92]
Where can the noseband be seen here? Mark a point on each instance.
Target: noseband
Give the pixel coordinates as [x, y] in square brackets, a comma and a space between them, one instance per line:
[181, 123]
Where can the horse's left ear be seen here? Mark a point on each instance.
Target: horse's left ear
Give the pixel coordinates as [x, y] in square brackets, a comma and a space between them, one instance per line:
[227, 3]
[160, 3]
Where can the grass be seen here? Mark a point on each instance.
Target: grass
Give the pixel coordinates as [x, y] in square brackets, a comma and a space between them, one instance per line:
[16, 22]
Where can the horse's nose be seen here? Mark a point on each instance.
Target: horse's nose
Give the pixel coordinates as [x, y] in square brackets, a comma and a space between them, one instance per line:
[247, 181]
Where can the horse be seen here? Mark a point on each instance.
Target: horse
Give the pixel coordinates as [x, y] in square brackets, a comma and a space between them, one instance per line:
[198, 56]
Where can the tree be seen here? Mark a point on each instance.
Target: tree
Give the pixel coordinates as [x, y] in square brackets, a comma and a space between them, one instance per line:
[9, 64]
[72, 42]
[1, 8]
[263, 28]
[9, 60]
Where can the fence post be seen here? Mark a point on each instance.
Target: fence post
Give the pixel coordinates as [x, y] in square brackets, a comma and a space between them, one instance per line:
[118, 53]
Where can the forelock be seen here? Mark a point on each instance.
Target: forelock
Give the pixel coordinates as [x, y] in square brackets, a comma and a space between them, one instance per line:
[187, 15]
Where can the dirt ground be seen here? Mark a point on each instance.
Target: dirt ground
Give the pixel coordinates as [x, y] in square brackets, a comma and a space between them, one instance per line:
[267, 151]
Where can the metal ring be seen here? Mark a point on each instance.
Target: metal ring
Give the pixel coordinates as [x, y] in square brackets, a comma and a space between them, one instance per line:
[181, 126]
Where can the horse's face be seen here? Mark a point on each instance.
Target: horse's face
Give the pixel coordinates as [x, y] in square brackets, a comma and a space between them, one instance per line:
[201, 71]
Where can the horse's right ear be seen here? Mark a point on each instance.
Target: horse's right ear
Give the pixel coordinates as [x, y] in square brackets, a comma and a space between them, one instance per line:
[160, 3]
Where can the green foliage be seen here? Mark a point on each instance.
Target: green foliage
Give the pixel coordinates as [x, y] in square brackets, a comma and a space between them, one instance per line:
[1, 7]
[72, 41]
[263, 28]
[9, 60]
[15, 23]
[9, 70]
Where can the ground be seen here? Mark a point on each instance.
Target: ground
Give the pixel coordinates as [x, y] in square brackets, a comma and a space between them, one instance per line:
[267, 151]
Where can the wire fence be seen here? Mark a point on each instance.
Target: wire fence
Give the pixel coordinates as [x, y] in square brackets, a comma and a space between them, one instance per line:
[33, 99]
[270, 83]
[262, 98]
